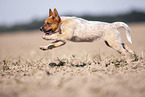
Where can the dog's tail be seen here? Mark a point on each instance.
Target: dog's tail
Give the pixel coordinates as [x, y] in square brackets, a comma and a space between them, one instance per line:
[121, 24]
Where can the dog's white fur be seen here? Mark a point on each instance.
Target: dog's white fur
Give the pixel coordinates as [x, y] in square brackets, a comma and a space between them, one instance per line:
[83, 30]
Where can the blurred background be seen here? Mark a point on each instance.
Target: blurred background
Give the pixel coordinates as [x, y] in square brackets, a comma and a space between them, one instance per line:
[18, 15]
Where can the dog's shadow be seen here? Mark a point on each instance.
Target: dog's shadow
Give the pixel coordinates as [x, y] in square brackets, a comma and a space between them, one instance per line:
[61, 63]
[52, 64]
[79, 65]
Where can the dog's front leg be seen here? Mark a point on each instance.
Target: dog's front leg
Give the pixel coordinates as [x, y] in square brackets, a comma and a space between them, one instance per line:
[47, 37]
[57, 36]
[52, 45]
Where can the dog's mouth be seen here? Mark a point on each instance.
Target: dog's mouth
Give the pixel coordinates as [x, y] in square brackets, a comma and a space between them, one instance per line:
[48, 32]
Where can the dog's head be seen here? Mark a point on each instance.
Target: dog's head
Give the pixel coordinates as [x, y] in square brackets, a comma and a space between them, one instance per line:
[52, 23]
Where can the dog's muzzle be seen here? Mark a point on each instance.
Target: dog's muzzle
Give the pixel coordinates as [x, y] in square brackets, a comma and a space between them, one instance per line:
[41, 29]
[47, 32]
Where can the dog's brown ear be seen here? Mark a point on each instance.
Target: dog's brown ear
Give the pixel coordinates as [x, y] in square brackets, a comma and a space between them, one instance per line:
[50, 13]
[56, 15]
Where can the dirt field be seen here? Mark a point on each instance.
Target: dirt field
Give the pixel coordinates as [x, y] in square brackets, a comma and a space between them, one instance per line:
[74, 70]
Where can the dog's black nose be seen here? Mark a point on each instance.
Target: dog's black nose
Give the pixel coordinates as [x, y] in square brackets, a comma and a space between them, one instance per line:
[41, 29]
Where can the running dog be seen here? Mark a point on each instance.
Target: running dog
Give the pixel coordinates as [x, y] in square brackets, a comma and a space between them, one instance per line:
[76, 29]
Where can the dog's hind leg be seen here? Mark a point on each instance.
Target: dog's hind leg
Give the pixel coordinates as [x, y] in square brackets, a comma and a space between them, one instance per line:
[54, 44]
[130, 51]
[113, 40]
[118, 47]
[125, 47]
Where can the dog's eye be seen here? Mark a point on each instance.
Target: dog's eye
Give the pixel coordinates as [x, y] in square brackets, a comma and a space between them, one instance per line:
[48, 23]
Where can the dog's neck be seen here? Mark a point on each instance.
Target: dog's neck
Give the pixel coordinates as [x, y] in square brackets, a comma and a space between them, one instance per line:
[59, 28]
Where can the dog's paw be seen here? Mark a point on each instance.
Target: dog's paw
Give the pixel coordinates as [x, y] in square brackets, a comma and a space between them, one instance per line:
[44, 37]
[44, 48]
